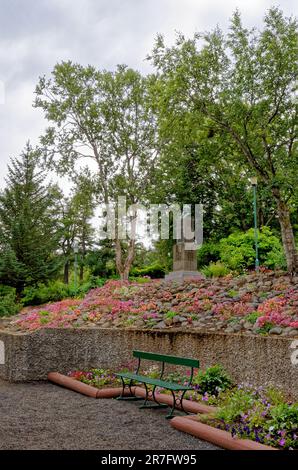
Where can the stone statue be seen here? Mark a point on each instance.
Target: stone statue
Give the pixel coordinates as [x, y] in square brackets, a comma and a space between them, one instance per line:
[184, 257]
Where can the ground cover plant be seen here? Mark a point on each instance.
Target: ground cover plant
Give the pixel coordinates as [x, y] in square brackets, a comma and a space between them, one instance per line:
[266, 303]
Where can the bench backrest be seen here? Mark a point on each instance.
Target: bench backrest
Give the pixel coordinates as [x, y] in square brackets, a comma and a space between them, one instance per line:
[179, 361]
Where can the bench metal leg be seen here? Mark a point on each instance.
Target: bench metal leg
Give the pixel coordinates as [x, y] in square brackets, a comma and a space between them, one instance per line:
[177, 401]
[129, 398]
[151, 405]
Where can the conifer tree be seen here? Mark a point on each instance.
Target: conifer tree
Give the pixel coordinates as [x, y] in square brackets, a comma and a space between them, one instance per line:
[28, 225]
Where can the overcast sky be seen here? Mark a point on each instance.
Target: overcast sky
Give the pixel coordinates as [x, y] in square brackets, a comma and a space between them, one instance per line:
[36, 34]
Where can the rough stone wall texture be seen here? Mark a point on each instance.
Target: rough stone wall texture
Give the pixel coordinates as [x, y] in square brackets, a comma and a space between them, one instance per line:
[258, 360]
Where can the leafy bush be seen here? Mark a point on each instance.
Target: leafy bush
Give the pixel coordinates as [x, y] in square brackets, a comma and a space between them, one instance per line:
[236, 405]
[101, 262]
[155, 271]
[215, 270]
[57, 290]
[140, 280]
[6, 290]
[208, 253]
[237, 251]
[41, 294]
[82, 289]
[8, 304]
[213, 380]
[284, 416]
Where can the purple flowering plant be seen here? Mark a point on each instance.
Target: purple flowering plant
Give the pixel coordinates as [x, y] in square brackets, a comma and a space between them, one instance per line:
[260, 414]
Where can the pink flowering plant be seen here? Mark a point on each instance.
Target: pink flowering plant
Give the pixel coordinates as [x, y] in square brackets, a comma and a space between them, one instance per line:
[263, 302]
[58, 314]
[96, 377]
[281, 310]
[231, 310]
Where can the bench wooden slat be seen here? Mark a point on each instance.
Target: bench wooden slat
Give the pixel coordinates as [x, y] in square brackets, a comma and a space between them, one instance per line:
[182, 361]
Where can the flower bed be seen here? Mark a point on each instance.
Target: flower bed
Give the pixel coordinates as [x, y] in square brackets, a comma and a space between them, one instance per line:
[98, 378]
[254, 304]
[259, 414]
[262, 415]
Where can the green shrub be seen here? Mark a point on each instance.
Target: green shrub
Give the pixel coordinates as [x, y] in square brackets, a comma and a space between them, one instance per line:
[57, 290]
[8, 303]
[155, 271]
[284, 416]
[208, 253]
[213, 380]
[236, 404]
[43, 293]
[82, 289]
[140, 280]
[101, 262]
[6, 290]
[237, 251]
[215, 270]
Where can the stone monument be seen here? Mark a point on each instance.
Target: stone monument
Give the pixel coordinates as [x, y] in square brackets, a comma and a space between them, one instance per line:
[184, 262]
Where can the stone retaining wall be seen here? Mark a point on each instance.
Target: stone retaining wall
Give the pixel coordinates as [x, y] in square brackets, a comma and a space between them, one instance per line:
[258, 360]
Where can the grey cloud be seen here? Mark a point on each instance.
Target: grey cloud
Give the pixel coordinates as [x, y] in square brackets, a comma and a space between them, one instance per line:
[36, 34]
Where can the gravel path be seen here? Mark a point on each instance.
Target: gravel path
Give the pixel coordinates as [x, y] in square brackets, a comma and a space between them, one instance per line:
[45, 416]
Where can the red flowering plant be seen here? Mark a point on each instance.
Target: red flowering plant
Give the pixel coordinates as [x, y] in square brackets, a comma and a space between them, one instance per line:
[96, 377]
[262, 302]
[228, 310]
[281, 310]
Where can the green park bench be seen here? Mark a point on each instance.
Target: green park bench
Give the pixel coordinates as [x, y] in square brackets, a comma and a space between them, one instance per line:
[177, 390]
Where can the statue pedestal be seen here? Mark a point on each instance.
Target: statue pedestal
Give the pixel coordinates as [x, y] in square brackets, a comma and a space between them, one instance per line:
[183, 275]
[184, 264]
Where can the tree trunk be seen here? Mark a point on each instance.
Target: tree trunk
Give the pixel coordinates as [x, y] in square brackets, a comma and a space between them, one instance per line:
[119, 264]
[81, 274]
[19, 291]
[82, 262]
[287, 234]
[124, 275]
[66, 272]
[123, 267]
[83, 254]
[129, 259]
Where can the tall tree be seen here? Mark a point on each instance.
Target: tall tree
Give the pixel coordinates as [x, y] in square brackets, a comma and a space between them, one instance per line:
[242, 86]
[106, 117]
[75, 213]
[67, 232]
[28, 226]
[83, 203]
